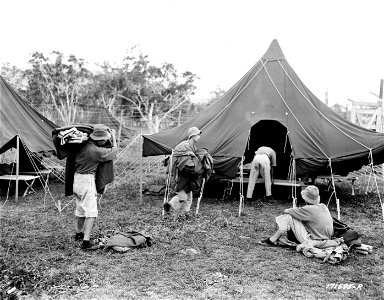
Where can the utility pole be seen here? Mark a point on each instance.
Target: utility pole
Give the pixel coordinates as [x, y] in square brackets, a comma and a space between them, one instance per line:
[381, 105]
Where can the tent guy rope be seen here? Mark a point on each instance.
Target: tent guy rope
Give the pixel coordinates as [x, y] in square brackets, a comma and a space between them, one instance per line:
[234, 98]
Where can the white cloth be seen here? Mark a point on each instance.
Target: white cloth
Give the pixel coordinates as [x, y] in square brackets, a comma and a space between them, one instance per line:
[84, 187]
[260, 165]
[181, 202]
[286, 222]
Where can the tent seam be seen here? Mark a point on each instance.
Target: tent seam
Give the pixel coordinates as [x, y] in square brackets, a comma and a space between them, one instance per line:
[234, 98]
[319, 110]
[282, 98]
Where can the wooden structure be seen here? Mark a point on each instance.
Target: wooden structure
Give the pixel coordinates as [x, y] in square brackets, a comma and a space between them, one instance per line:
[369, 115]
[28, 179]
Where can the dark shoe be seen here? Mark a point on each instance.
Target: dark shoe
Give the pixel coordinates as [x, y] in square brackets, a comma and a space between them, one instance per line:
[188, 216]
[88, 246]
[267, 242]
[167, 207]
[268, 197]
[79, 236]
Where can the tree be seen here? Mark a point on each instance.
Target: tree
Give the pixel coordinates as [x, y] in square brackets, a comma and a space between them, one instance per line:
[106, 85]
[216, 95]
[14, 76]
[57, 81]
[154, 92]
[341, 110]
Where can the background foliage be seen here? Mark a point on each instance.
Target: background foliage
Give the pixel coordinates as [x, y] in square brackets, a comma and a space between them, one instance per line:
[64, 90]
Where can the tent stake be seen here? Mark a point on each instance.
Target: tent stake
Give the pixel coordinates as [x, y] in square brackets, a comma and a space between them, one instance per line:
[241, 204]
[382, 209]
[338, 208]
[167, 182]
[200, 196]
[17, 167]
[120, 127]
[141, 167]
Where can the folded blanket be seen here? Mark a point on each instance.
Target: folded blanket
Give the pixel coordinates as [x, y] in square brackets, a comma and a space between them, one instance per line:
[331, 251]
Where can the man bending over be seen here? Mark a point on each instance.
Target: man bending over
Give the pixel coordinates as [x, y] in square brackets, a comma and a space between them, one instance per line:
[263, 163]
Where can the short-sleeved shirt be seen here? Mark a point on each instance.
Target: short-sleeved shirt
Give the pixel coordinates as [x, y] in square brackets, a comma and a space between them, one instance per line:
[316, 219]
[268, 151]
[91, 155]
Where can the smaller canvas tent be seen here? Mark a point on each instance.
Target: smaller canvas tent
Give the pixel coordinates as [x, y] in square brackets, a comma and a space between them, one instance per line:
[271, 106]
[18, 118]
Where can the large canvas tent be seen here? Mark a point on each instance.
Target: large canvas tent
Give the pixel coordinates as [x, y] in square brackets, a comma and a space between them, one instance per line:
[19, 119]
[271, 106]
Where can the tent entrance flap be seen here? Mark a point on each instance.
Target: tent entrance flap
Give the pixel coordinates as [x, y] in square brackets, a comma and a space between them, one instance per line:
[274, 135]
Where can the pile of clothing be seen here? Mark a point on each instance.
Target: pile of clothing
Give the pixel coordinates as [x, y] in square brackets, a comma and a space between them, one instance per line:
[190, 170]
[125, 241]
[336, 250]
[330, 251]
[72, 136]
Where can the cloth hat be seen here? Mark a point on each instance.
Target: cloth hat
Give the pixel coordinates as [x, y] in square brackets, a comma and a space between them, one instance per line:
[100, 132]
[193, 131]
[311, 194]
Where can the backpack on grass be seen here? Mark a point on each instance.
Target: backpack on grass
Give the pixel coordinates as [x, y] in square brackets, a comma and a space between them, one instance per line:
[125, 241]
[350, 236]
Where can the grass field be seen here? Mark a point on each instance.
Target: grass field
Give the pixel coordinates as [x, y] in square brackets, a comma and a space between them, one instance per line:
[213, 256]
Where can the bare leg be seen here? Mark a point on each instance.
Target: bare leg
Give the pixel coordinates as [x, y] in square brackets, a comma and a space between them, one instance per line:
[276, 236]
[88, 225]
[80, 224]
[183, 197]
[188, 203]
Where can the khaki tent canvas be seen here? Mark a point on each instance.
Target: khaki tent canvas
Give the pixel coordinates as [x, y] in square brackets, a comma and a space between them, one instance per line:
[17, 117]
[271, 106]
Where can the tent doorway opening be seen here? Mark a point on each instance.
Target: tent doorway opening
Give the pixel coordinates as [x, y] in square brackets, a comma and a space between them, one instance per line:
[274, 135]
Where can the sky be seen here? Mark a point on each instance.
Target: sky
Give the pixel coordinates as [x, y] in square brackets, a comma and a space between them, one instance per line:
[334, 46]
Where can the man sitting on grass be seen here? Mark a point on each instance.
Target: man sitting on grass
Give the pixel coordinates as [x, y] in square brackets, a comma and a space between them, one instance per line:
[310, 222]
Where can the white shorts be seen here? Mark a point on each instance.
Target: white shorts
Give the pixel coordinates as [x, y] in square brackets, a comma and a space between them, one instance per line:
[84, 187]
[285, 222]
